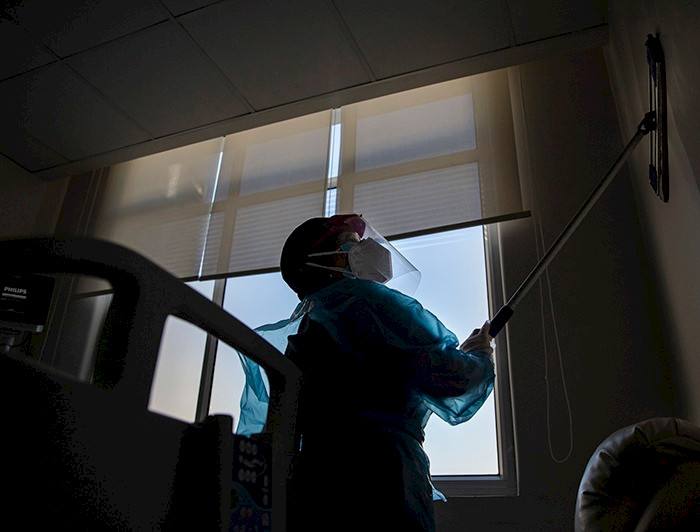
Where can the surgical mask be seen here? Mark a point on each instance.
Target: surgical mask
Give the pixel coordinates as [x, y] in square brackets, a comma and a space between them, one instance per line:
[367, 260]
[370, 260]
[370, 256]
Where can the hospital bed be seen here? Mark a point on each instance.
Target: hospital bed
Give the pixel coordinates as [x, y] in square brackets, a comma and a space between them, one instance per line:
[90, 455]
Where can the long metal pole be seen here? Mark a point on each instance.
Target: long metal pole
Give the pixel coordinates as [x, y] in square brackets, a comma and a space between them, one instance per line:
[506, 312]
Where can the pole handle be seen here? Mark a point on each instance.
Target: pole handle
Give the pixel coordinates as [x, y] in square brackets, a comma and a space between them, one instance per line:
[499, 320]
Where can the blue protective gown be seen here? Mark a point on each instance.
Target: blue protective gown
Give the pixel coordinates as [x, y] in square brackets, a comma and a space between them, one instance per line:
[377, 365]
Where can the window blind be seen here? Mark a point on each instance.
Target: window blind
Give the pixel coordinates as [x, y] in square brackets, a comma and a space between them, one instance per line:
[416, 161]
[159, 206]
[431, 157]
[272, 179]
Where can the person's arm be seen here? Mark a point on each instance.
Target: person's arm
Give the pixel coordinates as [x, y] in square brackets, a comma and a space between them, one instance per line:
[437, 364]
[399, 337]
[454, 379]
[449, 372]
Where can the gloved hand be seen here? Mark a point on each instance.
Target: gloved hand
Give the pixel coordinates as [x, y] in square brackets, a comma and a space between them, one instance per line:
[479, 340]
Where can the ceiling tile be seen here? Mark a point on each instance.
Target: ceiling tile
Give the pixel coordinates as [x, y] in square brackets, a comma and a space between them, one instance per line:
[400, 36]
[277, 51]
[55, 107]
[26, 54]
[160, 78]
[70, 26]
[540, 19]
[25, 150]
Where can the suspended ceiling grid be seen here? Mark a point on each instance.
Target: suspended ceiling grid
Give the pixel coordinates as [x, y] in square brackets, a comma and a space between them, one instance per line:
[88, 83]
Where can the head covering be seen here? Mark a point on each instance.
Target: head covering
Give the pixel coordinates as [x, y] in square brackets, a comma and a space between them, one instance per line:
[322, 251]
[313, 236]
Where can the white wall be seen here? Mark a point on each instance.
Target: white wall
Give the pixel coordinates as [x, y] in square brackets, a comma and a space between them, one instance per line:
[615, 365]
[30, 206]
[671, 230]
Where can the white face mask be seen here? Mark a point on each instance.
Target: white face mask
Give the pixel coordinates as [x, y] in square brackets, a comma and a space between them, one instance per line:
[367, 259]
[370, 260]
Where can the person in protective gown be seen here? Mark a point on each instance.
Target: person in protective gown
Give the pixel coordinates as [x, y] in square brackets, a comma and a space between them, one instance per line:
[376, 366]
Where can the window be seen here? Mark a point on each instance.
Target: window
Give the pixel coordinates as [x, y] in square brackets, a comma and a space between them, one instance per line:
[454, 287]
[431, 168]
[255, 300]
[175, 389]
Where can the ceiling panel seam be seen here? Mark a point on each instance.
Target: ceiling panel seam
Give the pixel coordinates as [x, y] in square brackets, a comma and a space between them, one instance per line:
[350, 38]
[39, 44]
[573, 33]
[62, 62]
[41, 143]
[505, 6]
[195, 44]
[59, 57]
[107, 100]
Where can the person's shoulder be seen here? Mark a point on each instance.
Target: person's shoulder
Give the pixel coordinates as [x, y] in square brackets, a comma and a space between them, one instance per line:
[381, 298]
[372, 289]
[348, 291]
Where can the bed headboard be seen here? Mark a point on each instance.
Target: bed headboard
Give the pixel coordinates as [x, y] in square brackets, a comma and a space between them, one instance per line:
[144, 295]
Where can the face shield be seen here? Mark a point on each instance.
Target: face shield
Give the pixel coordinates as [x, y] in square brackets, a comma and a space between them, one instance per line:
[362, 253]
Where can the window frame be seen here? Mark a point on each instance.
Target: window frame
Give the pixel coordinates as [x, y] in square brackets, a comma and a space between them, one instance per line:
[502, 484]
[505, 483]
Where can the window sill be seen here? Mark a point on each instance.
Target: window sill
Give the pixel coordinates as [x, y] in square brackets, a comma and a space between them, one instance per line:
[475, 486]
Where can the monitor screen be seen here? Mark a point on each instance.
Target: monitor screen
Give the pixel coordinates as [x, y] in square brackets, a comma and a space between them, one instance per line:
[25, 301]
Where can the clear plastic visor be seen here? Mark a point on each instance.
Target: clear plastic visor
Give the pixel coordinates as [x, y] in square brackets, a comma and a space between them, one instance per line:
[364, 253]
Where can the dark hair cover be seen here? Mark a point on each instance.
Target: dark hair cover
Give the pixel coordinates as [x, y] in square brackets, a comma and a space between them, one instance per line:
[313, 236]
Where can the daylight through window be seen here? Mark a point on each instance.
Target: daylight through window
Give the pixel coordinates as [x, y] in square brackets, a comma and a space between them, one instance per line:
[430, 168]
